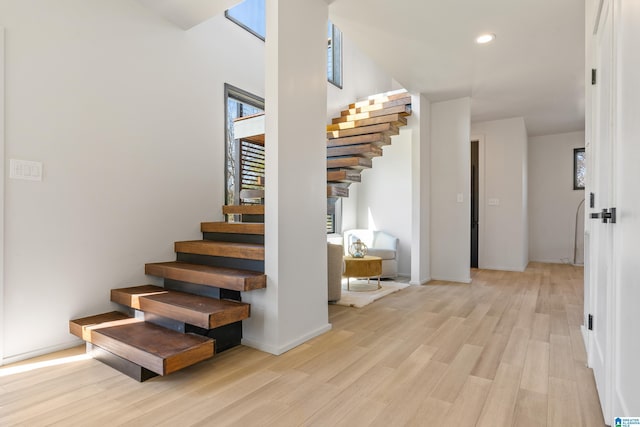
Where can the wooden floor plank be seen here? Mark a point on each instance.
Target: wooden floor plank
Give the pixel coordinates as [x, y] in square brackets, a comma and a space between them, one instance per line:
[535, 374]
[468, 405]
[376, 365]
[531, 409]
[564, 406]
[499, 407]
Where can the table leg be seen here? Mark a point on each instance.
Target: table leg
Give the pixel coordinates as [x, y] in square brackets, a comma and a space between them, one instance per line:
[348, 284]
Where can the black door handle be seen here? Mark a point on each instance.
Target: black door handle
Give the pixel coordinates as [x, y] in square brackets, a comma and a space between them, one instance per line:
[607, 215]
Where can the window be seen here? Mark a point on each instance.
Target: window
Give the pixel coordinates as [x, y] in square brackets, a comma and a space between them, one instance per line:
[249, 15]
[334, 55]
[579, 168]
[244, 160]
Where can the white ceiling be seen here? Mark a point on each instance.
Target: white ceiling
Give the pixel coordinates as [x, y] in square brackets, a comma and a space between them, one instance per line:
[188, 13]
[534, 68]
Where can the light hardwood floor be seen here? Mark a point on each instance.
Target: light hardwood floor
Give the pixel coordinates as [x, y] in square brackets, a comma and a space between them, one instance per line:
[503, 351]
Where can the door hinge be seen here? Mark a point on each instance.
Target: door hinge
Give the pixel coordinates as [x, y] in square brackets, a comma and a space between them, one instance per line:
[593, 76]
[590, 322]
[592, 200]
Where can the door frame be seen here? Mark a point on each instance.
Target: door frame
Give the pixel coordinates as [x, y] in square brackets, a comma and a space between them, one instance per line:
[481, 195]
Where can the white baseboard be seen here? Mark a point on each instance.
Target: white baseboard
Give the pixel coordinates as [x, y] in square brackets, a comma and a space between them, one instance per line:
[278, 350]
[40, 352]
[420, 282]
[453, 279]
[503, 268]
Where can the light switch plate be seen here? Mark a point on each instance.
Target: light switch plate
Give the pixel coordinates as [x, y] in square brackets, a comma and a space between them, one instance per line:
[25, 169]
[460, 198]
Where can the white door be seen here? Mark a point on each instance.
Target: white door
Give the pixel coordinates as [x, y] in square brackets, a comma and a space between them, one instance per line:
[626, 345]
[601, 239]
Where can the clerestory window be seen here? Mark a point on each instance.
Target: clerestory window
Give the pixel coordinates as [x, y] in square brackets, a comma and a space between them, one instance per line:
[334, 55]
[249, 15]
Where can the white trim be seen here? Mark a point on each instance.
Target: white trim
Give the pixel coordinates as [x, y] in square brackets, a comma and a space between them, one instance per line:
[42, 352]
[278, 350]
[503, 268]
[450, 279]
[420, 282]
[2, 150]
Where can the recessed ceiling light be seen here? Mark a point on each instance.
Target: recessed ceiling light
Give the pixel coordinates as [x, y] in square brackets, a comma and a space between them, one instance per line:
[485, 38]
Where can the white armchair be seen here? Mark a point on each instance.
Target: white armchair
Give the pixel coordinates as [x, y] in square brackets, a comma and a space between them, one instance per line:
[380, 244]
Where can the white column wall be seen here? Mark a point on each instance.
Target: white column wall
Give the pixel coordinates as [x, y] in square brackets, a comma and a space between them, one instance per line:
[293, 308]
[450, 177]
[420, 189]
[503, 243]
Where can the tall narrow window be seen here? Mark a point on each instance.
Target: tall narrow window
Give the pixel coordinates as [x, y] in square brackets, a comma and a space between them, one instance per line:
[244, 159]
[249, 15]
[579, 168]
[334, 55]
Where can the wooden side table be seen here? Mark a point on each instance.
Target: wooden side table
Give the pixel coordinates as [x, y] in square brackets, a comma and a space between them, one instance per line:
[369, 266]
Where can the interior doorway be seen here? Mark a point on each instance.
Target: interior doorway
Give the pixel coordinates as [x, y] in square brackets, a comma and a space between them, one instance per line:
[475, 201]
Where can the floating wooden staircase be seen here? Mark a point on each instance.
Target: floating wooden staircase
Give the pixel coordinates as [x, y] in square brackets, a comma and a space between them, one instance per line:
[197, 313]
[358, 135]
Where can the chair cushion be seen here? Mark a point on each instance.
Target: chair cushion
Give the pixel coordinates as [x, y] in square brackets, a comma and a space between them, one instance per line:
[382, 253]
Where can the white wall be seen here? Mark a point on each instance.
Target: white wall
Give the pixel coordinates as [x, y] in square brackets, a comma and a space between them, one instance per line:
[503, 240]
[361, 77]
[125, 111]
[420, 190]
[450, 178]
[384, 196]
[293, 307]
[552, 200]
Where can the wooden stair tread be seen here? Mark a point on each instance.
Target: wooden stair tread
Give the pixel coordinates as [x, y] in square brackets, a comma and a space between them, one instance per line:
[158, 349]
[379, 99]
[386, 128]
[82, 327]
[365, 150]
[253, 251]
[406, 100]
[153, 347]
[220, 277]
[395, 119]
[232, 227]
[403, 110]
[205, 312]
[243, 209]
[378, 139]
[342, 175]
[353, 162]
[335, 191]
